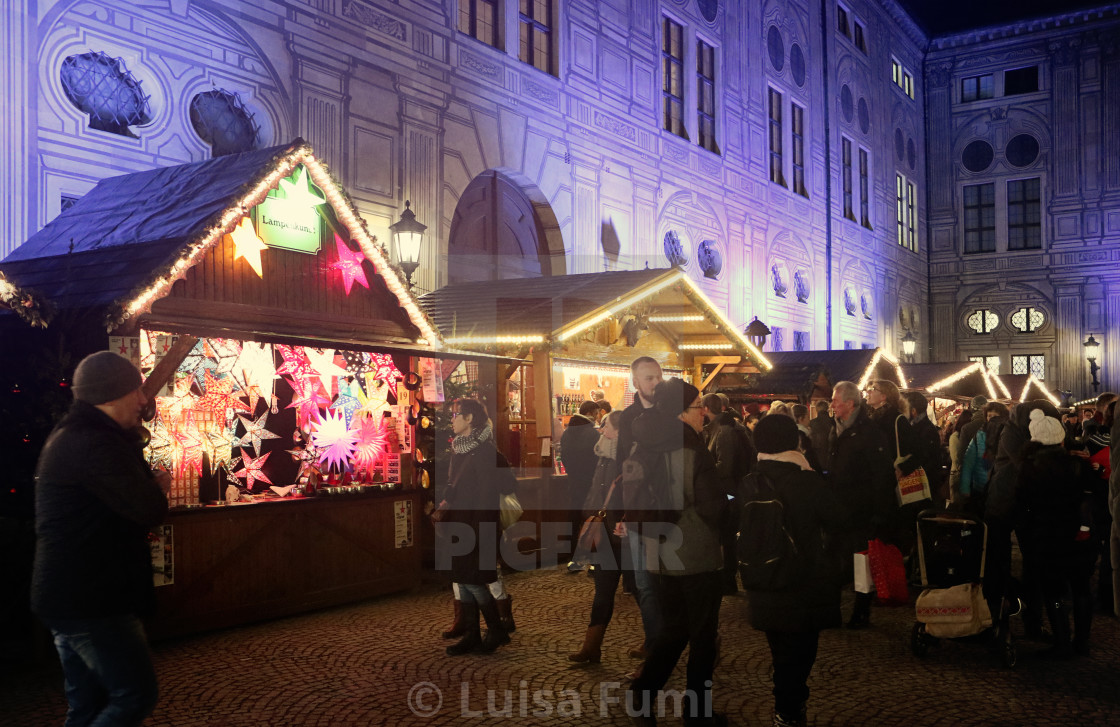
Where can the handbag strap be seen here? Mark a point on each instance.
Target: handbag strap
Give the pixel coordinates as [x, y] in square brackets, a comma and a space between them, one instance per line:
[607, 500]
[897, 443]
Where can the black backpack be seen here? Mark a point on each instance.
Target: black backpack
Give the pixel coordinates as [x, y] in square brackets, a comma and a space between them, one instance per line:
[769, 559]
[646, 488]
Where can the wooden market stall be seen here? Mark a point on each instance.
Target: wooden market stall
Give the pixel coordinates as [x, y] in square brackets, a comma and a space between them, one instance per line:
[805, 376]
[282, 349]
[575, 334]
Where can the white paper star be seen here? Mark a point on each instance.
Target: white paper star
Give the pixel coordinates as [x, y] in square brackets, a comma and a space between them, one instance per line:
[297, 190]
[247, 245]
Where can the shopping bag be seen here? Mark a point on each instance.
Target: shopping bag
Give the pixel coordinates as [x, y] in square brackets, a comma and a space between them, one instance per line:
[862, 566]
[953, 612]
[913, 487]
[509, 510]
[889, 573]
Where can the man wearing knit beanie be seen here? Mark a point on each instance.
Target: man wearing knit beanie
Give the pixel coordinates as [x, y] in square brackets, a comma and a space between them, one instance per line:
[686, 554]
[96, 499]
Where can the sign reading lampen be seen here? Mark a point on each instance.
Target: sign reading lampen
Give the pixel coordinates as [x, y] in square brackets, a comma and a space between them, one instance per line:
[290, 222]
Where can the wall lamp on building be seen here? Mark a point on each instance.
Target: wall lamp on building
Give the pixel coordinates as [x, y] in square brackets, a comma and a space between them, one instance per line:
[756, 332]
[909, 343]
[1091, 348]
[409, 236]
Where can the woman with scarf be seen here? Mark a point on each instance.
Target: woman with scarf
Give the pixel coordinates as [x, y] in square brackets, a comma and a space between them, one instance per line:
[891, 413]
[793, 618]
[610, 557]
[478, 477]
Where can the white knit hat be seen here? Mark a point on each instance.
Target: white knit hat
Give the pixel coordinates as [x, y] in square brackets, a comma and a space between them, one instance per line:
[1046, 430]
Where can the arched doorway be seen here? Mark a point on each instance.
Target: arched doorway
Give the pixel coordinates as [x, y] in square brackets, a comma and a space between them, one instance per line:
[496, 233]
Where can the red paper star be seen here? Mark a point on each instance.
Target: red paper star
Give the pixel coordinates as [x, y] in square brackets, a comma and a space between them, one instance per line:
[372, 441]
[384, 368]
[295, 362]
[308, 397]
[219, 395]
[251, 469]
[350, 265]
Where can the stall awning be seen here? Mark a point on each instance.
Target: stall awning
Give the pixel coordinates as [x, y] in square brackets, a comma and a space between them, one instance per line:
[955, 380]
[1025, 387]
[125, 244]
[511, 314]
[812, 374]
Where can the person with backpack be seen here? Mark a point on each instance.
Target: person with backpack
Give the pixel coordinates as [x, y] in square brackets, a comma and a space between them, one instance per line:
[679, 496]
[728, 442]
[979, 456]
[792, 579]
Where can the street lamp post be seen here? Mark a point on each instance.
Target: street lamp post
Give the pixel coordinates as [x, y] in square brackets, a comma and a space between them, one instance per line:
[1091, 348]
[409, 235]
[908, 345]
[756, 332]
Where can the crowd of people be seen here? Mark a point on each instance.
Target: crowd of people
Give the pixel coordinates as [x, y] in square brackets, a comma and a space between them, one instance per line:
[835, 468]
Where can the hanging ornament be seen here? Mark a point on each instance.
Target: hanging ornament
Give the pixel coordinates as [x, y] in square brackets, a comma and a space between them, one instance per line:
[218, 444]
[255, 431]
[308, 398]
[251, 469]
[161, 447]
[248, 245]
[384, 369]
[323, 365]
[295, 362]
[346, 404]
[372, 440]
[190, 447]
[350, 265]
[196, 361]
[219, 396]
[336, 440]
[255, 372]
[225, 353]
[298, 191]
[357, 362]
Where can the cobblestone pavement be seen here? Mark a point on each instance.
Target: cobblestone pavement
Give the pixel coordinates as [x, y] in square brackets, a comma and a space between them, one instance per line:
[357, 665]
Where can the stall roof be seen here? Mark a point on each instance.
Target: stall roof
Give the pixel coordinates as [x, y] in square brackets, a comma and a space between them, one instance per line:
[1027, 386]
[812, 374]
[124, 244]
[954, 379]
[511, 313]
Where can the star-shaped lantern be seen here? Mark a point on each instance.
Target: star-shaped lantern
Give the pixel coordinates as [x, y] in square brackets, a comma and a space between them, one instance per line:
[372, 441]
[219, 396]
[255, 431]
[308, 398]
[384, 368]
[297, 190]
[336, 440]
[251, 469]
[350, 265]
[248, 245]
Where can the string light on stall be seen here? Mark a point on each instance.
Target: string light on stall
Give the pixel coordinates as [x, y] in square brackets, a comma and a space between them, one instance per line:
[29, 307]
[620, 305]
[694, 293]
[706, 346]
[570, 371]
[1032, 380]
[677, 319]
[999, 382]
[881, 354]
[950, 380]
[483, 340]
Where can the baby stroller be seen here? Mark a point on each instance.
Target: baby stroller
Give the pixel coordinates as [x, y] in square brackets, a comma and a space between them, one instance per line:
[952, 550]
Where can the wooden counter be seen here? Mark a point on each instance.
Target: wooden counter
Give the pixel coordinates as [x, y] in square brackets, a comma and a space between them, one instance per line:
[236, 564]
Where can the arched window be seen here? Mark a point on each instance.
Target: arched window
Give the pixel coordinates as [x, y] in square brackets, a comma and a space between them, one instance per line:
[104, 89]
[1027, 320]
[222, 121]
[982, 321]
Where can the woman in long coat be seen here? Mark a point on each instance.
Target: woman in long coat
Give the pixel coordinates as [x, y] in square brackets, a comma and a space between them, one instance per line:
[479, 476]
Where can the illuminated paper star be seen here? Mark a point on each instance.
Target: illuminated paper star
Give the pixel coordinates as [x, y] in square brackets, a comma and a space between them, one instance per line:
[384, 369]
[295, 362]
[323, 365]
[251, 470]
[219, 444]
[350, 265]
[255, 372]
[297, 190]
[371, 442]
[248, 245]
[219, 396]
[161, 447]
[336, 439]
[225, 353]
[357, 362]
[189, 449]
[172, 408]
[348, 405]
[308, 398]
[255, 432]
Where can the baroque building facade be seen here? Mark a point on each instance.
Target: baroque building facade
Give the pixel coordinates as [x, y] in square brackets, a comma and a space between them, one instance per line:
[1024, 131]
[780, 151]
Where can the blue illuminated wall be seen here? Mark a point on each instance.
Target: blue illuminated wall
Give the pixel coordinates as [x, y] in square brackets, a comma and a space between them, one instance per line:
[522, 171]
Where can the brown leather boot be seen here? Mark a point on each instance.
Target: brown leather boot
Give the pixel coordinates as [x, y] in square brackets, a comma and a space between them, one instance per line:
[459, 627]
[505, 610]
[592, 649]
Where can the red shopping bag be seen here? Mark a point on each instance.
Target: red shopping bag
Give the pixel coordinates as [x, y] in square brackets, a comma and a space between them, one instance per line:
[889, 573]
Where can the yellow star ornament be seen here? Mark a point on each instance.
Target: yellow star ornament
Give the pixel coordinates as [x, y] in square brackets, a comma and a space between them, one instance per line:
[298, 192]
[248, 245]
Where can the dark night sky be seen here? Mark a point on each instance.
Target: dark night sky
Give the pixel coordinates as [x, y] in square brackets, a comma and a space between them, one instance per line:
[939, 17]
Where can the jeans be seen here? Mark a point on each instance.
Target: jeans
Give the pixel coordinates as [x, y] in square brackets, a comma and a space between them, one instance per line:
[110, 680]
[793, 654]
[471, 593]
[644, 588]
[691, 618]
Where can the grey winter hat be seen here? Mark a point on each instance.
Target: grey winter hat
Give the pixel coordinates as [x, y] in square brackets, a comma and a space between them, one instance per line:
[978, 402]
[105, 376]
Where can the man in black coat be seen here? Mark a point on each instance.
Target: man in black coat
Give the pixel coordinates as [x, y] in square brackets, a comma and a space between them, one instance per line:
[926, 440]
[729, 443]
[577, 452]
[862, 474]
[95, 501]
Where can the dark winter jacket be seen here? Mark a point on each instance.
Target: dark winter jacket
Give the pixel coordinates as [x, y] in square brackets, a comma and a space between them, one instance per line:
[577, 452]
[820, 432]
[696, 488]
[888, 419]
[477, 481]
[813, 512]
[95, 502]
[606, 472]
[1003, 480]
[927, 450]
[1053, 502]
[732, 449]
[862, 474]
[626, 425]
